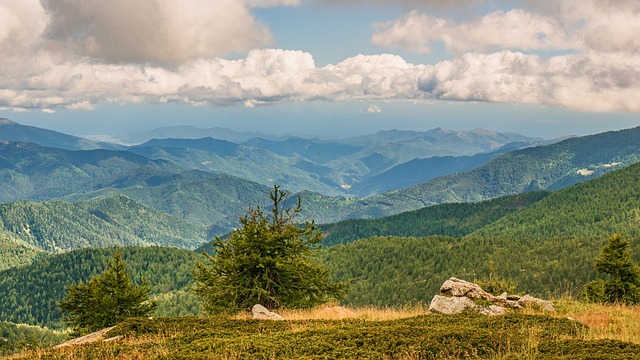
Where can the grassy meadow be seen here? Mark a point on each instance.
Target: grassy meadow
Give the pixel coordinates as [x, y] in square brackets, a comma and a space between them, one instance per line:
[576, 331]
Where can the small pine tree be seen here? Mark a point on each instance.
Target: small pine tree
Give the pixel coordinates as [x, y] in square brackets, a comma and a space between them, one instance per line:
[623, 276]
[105, 299]
[269, 261]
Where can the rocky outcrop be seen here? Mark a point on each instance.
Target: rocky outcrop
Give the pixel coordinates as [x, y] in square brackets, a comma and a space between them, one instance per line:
[93, 337]
[262, 313]
[459, 295]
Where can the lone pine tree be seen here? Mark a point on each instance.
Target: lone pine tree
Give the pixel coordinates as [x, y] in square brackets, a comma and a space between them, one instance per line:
[105, 299]
[269, 261]
[622, 283]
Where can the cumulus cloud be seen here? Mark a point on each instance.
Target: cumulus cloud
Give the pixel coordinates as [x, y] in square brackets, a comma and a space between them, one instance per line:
[374, 109]
[70, 55]
[271, 3]
[21, 25]
[164, 32]
[514, 29]
[413, 3]
[594, 25]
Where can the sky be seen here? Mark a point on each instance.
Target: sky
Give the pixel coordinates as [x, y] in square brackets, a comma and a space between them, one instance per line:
[321, 67]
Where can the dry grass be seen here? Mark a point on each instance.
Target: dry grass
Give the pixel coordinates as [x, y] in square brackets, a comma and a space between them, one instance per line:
[335, 312]
[616, 322]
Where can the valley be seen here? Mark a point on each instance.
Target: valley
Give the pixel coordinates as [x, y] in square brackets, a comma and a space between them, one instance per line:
[419, 209]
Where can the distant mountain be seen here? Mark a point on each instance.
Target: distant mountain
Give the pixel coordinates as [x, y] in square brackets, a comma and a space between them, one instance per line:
[33, 172]
[187, 132]
[58, 226]
[250, 163]
[14, 132]
[443, 142]
[548, 167]
[418, 171]
[198, 197]
[319, 152]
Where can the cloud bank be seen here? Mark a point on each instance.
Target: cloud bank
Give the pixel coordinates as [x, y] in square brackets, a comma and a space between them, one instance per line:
[75, 54]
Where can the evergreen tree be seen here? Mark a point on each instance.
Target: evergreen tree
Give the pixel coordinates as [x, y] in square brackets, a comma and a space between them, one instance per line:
[269, 260]
[623, 276]
[105, 299]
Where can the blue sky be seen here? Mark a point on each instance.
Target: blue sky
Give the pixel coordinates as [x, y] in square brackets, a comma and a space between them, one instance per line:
[321, 67]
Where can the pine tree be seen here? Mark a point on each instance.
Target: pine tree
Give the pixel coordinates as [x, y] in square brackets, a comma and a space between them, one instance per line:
[269, 260]
[105, 299]
[623, 276]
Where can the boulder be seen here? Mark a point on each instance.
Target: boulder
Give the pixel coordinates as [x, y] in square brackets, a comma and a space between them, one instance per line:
[262, 313]
[460, 295]
[530, 300]
[449, 305]
[462, 288]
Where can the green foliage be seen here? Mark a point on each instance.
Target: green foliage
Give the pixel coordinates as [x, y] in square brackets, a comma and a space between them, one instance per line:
[105, 299]
[464, 336]
[29, 293]
[268, 261]
[623, 275]
[591, 210]
[15, 337]
[394, 271]
[549, 167]
[15, 252]
[447, 219]
[494, 283]
[57, 226]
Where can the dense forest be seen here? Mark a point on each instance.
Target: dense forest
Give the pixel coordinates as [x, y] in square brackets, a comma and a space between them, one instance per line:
[30, 292]
[58, 226]
[458, 219]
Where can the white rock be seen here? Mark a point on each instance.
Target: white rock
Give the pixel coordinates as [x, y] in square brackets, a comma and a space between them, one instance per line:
[262, 313]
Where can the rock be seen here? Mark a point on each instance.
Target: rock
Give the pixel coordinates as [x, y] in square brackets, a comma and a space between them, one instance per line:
[260, 312]
[93, 337]
[494, 310]
[460, 288]
[530, 300]
[463, 293]
[449, 305]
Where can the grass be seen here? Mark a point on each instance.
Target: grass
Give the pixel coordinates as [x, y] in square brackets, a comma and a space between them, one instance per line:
[576, 331]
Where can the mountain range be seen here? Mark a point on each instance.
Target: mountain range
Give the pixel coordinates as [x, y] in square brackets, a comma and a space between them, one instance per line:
[544, 242]
[329, 167]
[161, 174]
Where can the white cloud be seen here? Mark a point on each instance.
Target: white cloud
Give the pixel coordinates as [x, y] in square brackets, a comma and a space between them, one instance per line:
[271, 3]
[164, 32]
[374, 109]
[514, 29]
[593, 25]
[78, 64]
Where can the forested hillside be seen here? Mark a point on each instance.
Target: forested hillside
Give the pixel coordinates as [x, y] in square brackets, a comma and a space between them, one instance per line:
[29, 293]
[590, 210]
[547, 248]
[548, 167]
[250, 163]
[195, 196]
[58, 226]
[14, 252]
[33, 172]
[454, 220]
